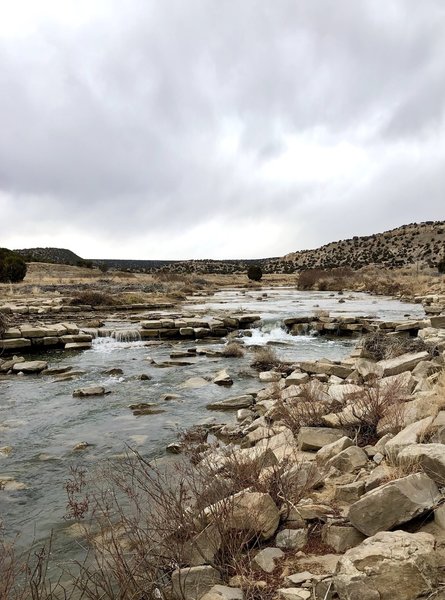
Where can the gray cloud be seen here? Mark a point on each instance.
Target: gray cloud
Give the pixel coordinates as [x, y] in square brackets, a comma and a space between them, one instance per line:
[150, 121]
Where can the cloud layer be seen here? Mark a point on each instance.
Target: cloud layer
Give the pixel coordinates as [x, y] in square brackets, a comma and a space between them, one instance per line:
[228, 129]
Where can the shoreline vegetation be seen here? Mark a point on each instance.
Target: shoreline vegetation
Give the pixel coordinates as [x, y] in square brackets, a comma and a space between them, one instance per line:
[329, 485]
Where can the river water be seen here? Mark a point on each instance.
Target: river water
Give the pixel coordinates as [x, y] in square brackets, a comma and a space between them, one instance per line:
[42, 422]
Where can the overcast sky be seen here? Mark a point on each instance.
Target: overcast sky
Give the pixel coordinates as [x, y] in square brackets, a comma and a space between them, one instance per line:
[218, 128]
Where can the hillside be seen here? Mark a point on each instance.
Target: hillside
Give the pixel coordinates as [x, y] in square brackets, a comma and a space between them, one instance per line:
[60, 256]
[421, 244]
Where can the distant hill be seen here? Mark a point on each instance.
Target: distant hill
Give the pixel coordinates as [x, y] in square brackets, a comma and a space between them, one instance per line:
[60, 256]
[420, 244]
[416, 243]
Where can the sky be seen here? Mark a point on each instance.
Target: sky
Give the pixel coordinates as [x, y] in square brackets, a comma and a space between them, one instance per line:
[173, 129]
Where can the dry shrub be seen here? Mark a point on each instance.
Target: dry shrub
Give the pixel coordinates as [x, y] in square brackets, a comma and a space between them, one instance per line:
[233, 350]
[4, 323]
[379, 345]
[92, 298]
[265, 358]
[145, 520]
[379, 403]
[307, 409]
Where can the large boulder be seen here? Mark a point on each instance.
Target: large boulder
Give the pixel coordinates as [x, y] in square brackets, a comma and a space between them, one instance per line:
[349, 460]
[409, 435]
[388, 566]
[394, 503]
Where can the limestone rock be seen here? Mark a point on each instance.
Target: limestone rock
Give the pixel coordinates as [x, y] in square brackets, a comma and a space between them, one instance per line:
[232, 403]
[341, 537]
[409, 435]
[223, 592]
[31, 366]
[314, 438]
[405, 362]
[94, 390]
[334, 448]
[192, 583]
[266, 559]
[348, 460]
[388, 566]
[430, 457]
[223, 378]
[248, 511]
[394, 503]
[291, 539]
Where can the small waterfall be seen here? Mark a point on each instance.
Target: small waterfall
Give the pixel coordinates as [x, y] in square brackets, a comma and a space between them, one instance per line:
[126, 335]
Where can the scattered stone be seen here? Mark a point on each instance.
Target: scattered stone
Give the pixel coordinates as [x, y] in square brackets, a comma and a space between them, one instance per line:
[223, 592]
[81, 446]
[145, 377]
[293, 594]
[30, 367]
[291, 539]
[266, 559]
[223, 378]
[94, 390]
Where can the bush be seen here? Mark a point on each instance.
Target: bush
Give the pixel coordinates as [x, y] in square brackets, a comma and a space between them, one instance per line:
[380, 346]
[265, 358]
[254, 273]
[233, 350]
[92, 298]
[12, 266]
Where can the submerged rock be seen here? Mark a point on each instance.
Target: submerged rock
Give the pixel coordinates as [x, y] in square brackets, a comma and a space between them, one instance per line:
[94, 390]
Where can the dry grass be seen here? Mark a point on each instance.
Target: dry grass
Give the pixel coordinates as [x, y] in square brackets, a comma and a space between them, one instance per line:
[306, 410]
[233, 350]
[379, 345]
[265, 359]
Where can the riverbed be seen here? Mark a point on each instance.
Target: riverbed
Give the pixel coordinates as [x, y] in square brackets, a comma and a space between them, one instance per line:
[42, 422]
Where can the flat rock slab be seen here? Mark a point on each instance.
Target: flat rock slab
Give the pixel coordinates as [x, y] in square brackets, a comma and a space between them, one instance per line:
[314, 438]
[394, 503]
[223, 378]
[404, 362]
[95, 390]
[32, 366]
[223, 592]
[232, 403]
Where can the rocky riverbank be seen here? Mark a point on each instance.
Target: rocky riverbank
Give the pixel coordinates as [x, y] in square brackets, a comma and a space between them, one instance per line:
[334, 480]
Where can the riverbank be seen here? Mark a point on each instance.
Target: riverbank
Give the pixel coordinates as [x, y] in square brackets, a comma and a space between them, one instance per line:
[302, 384]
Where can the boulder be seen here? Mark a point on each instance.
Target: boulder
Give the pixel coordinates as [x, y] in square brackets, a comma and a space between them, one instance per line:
[293, 593]
[348, 460]
[368, 369]
[269, 376]
[192, 583]
[334, 448]
[388, 566]
[31, 366]
[429, 457]
[409, 435]
[314, 438]
[296, 378]
[202, 548]
[394, 503]
[341, 537]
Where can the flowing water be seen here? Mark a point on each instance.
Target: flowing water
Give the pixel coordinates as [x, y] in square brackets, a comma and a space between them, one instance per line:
[42, 422]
